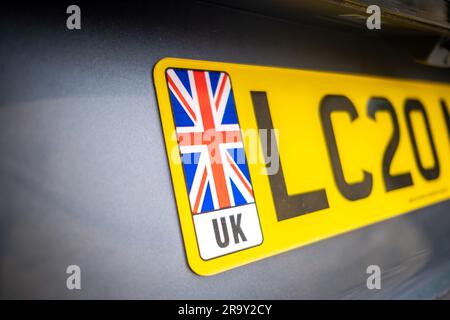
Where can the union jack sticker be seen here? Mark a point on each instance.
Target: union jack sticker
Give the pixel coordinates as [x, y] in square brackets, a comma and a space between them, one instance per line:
[215, 168]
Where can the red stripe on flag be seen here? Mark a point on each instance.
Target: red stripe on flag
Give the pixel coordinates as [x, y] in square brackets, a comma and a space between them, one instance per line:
[200, 191]
[209, 124]
[222, 86]
[238, 173]
[180, 96]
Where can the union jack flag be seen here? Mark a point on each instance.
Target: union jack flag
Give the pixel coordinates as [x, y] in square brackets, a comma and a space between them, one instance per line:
[209, 138]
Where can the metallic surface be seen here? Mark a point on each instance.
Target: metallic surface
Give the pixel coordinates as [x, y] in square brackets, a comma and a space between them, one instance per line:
[84, 178]
[398, 16]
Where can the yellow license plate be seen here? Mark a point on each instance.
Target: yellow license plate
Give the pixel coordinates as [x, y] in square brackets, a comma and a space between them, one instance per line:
[265, 160]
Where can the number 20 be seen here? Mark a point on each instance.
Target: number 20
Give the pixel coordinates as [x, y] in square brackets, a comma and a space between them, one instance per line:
[359, 190]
